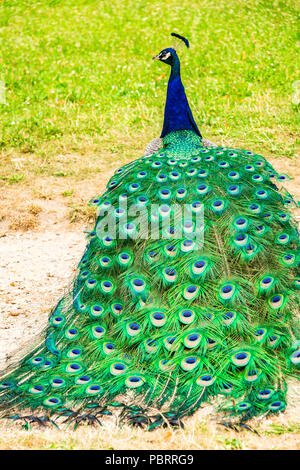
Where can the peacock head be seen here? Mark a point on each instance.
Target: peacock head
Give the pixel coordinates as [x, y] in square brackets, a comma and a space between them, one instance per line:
[169, 55]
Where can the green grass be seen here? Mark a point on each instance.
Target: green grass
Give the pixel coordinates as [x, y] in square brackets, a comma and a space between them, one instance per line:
[79, 75]
[282, 429]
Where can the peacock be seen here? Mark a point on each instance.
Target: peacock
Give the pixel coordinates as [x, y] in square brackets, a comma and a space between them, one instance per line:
[187, 291]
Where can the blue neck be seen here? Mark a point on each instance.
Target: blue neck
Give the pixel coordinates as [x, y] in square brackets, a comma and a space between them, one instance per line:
[175, 69]
[178, 114]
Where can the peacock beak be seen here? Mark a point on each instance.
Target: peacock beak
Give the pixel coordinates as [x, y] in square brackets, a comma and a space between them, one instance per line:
[156, 57]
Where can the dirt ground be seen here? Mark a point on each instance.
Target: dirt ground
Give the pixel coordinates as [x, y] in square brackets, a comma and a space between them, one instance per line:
[35, 268]
[37, 265]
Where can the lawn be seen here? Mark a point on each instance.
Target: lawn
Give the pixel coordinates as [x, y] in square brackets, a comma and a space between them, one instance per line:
[80, 95]
[79, 79]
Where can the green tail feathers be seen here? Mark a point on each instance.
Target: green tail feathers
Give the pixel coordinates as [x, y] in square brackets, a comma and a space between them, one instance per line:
[160, 321]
